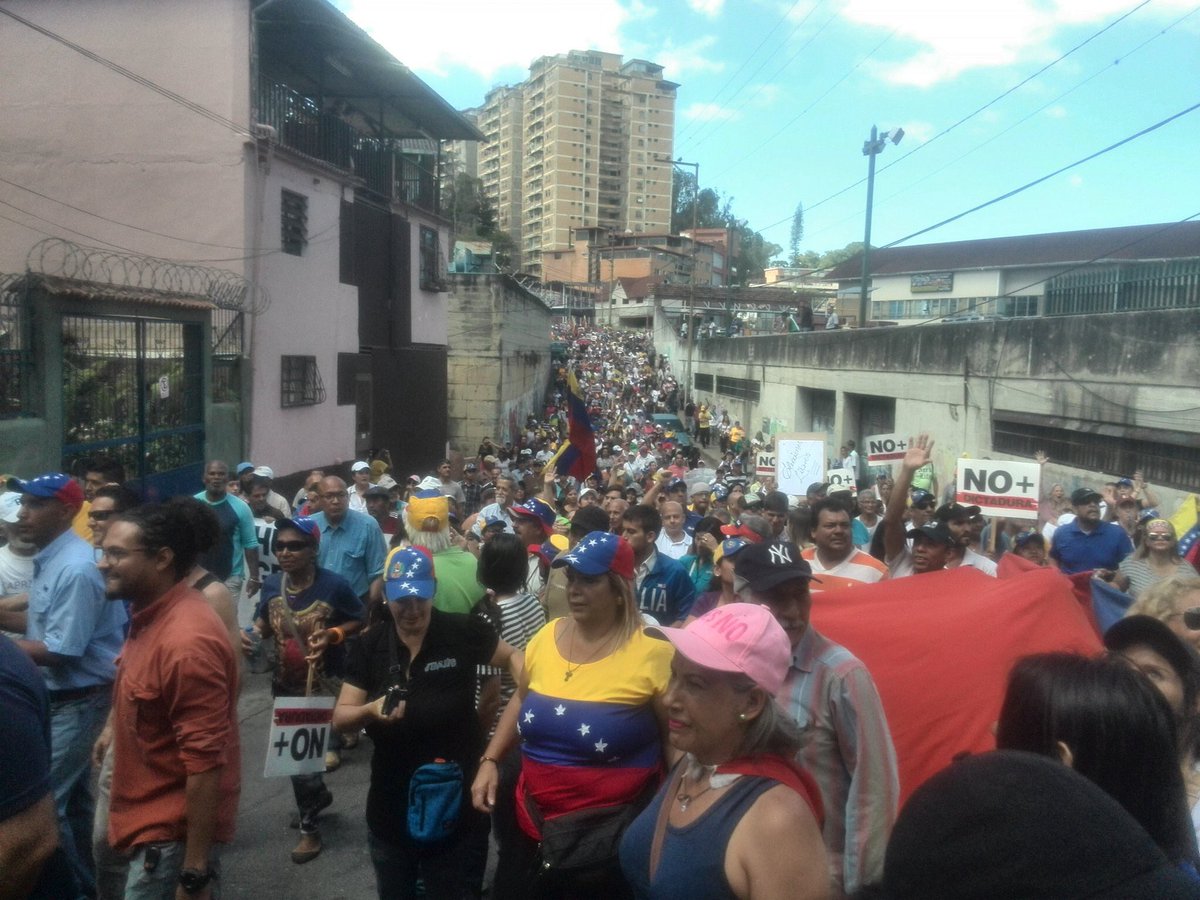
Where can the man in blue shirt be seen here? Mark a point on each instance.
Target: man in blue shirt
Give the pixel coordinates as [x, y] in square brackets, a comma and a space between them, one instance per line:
[234, 558]
[661, 584]
[352, 544]
[1088, 544]
[74, 634]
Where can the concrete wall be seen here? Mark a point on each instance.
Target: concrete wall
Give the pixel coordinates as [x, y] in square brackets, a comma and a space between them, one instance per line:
[1138, 370]
[499, 361]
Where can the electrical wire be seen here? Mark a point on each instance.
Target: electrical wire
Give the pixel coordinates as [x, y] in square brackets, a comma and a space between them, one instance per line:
[964, 119]
[1037, 181]
[132, 76]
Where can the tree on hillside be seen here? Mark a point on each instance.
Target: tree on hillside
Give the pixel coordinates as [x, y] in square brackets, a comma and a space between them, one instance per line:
[471, 214]
[797, 232]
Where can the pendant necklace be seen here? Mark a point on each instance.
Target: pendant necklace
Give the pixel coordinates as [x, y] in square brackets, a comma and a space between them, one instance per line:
[685, 799]
[571, 652]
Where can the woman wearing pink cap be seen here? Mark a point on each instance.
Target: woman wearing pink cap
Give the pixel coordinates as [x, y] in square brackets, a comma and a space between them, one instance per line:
[737, 818]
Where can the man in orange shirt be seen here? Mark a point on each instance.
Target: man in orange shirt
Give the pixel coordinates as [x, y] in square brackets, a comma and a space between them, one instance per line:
[835, 560]
[176, 757]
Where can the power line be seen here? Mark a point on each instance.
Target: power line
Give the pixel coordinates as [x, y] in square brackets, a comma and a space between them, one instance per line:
[746, 61]
[132, 76]
[1116, 62]
[86, 212]
[806, 109]
[1037, 181]
[964, 119]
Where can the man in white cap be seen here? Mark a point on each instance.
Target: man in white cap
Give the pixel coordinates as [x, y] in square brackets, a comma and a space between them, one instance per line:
[360, 474]
[274, 500]
[16, 559]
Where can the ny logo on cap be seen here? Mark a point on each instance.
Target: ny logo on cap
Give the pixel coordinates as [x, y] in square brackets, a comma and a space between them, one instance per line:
[780, 555]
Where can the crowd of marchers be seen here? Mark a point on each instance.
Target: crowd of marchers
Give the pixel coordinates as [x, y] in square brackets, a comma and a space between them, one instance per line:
[588, 646]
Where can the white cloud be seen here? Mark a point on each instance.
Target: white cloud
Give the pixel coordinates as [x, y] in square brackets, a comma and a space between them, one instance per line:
[1058, 111]
[710, 8]
[678, 60]
[478, 37]
[762, 95]
[918, 131]
[710, 112]
[946, 38]
[1075, 181]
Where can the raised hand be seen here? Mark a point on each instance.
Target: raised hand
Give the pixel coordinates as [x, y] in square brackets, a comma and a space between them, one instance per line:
[919, 453]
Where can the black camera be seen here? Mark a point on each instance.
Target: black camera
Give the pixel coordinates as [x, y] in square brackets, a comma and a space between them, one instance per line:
[392, 698]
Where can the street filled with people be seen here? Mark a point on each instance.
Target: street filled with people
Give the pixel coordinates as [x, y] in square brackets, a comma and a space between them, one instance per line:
[615, 652]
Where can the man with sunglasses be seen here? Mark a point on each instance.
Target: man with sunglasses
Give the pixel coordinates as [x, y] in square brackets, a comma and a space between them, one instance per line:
[309, 611]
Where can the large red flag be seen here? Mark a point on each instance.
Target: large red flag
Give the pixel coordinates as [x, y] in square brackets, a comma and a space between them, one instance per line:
[940, 647]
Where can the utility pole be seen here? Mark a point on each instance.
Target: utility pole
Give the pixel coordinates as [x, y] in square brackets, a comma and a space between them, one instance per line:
[871, 148]
[691, 304]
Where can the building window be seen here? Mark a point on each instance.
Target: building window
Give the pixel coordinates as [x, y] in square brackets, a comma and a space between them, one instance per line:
[1167, 458]
[703, 382]
[300, 382]
[430, 274]
[293, 220]
[741, 388]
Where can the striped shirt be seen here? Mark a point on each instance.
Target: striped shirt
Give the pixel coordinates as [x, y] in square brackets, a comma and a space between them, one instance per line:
[857, 568]
[848, 751]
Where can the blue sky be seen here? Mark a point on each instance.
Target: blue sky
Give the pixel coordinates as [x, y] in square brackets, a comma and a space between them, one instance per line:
[777, 97]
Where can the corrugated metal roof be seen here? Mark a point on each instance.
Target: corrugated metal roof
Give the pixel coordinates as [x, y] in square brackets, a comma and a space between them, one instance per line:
[1179, 240]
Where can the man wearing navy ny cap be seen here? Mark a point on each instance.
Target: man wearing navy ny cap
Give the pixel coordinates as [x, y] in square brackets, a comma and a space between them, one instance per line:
[831, 695]
[74, 634]
[1086, 543]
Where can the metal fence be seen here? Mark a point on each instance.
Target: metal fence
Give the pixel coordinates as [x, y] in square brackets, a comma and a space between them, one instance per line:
[14, 347]
[1126, 288]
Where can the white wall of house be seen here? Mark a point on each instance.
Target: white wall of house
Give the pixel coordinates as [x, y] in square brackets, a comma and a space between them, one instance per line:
[311, 314]
[428, 307]
[79, 132]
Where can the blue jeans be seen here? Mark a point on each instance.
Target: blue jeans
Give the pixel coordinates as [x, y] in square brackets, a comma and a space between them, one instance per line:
[74, 727]
[162, 878]
[449, 871]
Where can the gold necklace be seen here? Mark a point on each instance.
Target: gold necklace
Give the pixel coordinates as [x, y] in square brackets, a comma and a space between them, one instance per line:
[571, 652]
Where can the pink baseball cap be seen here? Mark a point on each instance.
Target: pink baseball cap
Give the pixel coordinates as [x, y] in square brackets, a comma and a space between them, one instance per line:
[737, 637]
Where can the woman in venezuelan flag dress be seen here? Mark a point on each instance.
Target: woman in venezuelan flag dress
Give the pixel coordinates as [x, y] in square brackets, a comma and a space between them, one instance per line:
[589, 713]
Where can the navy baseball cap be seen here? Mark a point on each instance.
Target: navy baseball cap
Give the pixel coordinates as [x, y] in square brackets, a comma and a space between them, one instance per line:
[769, 564]
[938, 532]
[303, 524]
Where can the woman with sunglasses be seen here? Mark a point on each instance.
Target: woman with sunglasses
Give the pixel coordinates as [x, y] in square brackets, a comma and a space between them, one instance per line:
[310, 612]
[1155, 559]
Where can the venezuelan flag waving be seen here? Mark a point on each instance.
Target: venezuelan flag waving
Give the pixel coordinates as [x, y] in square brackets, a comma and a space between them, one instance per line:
[577, 455]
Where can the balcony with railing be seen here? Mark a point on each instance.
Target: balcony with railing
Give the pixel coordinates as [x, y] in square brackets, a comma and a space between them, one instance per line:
[399, 170]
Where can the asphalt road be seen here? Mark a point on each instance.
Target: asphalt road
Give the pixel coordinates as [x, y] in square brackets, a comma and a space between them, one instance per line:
[259, 865]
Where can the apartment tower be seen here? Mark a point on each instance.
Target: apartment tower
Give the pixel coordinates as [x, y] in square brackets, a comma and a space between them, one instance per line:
[585, 141]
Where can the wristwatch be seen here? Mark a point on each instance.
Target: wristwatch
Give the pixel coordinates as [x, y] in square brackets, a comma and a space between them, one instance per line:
[193, 881]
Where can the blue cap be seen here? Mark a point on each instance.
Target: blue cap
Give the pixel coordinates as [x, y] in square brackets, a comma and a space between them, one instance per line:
[597, 553]
[720, 492]
[305, 525]
[52, 486]
[921, 498]
[408, 573]
[243, 467]
[536, 508]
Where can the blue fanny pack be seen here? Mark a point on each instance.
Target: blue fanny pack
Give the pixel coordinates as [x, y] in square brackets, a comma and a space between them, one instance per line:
[434, 801]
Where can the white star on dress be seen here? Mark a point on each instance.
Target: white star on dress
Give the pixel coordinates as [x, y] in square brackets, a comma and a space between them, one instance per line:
[529, 716]
[601, 746]
[584, 729]
[559, 710]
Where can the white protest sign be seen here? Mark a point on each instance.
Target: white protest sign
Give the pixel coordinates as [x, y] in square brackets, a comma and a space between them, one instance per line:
[267, 563]
[300, 728]
[1000, 487]
[840, 480]
[885, 449]
[799, 461]
[764, 462]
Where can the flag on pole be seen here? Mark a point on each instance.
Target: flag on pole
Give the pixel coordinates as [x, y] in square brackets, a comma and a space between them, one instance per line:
[577, 455]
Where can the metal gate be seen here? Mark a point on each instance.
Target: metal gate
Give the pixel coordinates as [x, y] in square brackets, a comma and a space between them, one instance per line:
[133, 390]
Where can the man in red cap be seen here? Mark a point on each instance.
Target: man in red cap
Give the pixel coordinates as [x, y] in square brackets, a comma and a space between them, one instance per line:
[74, 634]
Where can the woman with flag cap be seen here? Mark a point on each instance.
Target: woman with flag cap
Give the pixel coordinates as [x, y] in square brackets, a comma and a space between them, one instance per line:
[411, 684]
[589, 711]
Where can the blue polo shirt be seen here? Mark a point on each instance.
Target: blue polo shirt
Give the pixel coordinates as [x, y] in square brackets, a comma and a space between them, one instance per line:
[1076, 550]
[355, 548]
[70, 614]
[666, 593]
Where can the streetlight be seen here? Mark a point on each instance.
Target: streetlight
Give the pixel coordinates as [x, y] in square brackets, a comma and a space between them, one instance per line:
[691, 337]
[872, 148]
